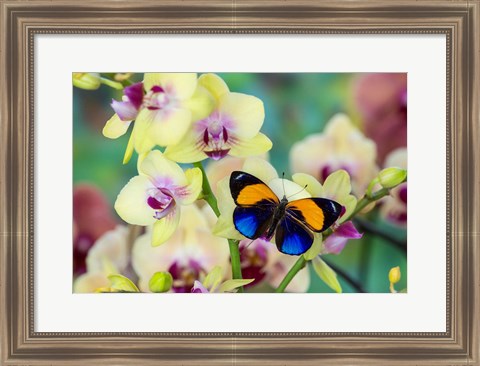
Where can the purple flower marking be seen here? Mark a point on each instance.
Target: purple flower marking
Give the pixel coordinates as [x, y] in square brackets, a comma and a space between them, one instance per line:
[337, 241]
[127, 109]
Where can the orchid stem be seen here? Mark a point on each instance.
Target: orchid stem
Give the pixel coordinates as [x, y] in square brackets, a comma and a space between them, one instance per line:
[301, 261]
[209, 197]
[299, 264]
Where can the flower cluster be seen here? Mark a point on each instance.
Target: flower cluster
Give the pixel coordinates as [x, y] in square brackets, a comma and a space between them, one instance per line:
[182, 234]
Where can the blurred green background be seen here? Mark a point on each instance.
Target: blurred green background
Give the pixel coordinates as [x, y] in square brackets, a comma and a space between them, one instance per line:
[296, 105]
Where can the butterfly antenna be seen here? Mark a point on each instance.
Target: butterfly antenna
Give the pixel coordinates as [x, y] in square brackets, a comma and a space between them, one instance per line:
[306, 185]
[283, 183]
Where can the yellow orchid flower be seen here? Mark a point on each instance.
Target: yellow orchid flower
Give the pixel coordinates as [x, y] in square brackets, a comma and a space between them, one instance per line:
[163, 106]
[340, 146]
[190, 251]
[233, 127]
[155, 195]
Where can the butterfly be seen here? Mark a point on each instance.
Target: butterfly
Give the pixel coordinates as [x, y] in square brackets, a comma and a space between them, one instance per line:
[260, 213]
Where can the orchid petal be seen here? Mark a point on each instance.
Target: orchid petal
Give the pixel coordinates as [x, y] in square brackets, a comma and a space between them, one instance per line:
[326, 274]
[164, 228]
[337, 185]
[111, 247]
[187, 150]
[214, 84]
[122, 283]
[201, 104]
[225, 228]
[146, 260]
[230, 285]
[189, 193]
[315, 249]
[157, 167]
[312, 185]
[129, 150]
[336, 242]
[131, 204]
[89, 282]
[115, 127]
[198, 288]
[250, 147]
[181, 85]
[125, 110]
[169, 127]
[287, 188]
[349, 203]
[348, 230]
[213, 279]
[260, 168]
[141, 130]
[245, 112]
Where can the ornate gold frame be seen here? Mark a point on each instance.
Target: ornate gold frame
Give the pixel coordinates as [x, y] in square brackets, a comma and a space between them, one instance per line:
[22, 20]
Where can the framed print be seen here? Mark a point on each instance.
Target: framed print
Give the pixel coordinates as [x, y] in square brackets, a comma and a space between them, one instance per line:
[188, 183]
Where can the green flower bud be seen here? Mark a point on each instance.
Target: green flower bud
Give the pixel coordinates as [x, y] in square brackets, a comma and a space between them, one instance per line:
[391, 177]
[86, 80]
[160, 282]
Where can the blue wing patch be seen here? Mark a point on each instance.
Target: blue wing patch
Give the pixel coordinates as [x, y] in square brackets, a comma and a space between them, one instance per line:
[292, 237]
[253, 221]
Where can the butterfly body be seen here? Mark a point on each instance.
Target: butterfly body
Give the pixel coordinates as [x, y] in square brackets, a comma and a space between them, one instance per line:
[261, 214]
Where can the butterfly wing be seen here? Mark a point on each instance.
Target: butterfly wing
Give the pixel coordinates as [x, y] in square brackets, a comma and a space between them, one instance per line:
[255, 202]
[292, 237]
[253, 221]
[248, 190]
[318, 214]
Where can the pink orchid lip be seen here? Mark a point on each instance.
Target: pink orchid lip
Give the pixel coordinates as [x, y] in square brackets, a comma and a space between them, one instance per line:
[134, 93]
[162, 202]
[153, 104]
[198, 288]
[185, 275]
[402, 194]
[336, 242]
[253, 258]
[217, 154]
[328, 169]
[215, 140]
[127, 109]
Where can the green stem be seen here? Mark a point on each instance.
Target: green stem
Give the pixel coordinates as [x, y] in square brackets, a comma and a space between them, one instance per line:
[299, 264]
[209, 197]
[301, 261]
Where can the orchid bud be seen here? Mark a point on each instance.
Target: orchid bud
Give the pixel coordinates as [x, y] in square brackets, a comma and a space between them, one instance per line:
[86, 80]
[160, 282]
[394, 275]
[391, 177]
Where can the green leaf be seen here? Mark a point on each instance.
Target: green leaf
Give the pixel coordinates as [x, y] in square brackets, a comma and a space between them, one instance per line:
[326, 274]
[231, 285]
[122, 283]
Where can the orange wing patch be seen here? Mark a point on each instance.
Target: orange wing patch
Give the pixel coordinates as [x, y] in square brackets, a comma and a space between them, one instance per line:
[254, 193]
[307, 211]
